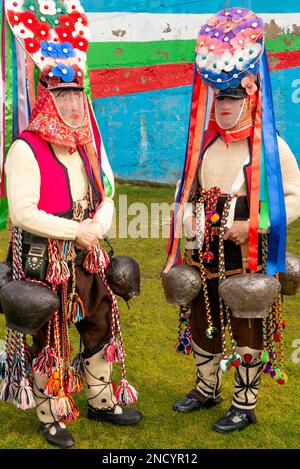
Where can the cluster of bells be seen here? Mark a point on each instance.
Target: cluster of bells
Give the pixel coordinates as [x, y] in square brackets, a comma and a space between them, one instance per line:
[182, 284]
[27, 306]
[247, 295]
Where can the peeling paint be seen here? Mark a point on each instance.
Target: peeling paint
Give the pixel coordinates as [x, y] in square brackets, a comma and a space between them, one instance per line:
[119, 32]
[165, 53]
[288, 41]
[144, 79]
[273, 30]
[167, 29]
[118, 51]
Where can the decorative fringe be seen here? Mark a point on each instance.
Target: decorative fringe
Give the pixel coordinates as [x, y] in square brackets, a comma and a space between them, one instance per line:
[3, 364]
[111, 352]
[65, 407]
[75, 308]
[78, 364]
[46, 361]
[24, 398]
[96, 260]
[74, 381]
[53, 387]
[126, 394]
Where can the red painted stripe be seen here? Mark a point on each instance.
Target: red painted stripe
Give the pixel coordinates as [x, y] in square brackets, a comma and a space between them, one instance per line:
[118, 81]
[283, 60]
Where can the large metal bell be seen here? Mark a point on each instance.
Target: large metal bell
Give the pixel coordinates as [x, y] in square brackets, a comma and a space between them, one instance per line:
[123, 275]
[249, 295]
[5, 277]
[290, 280]
[181, 284]
[27, 305]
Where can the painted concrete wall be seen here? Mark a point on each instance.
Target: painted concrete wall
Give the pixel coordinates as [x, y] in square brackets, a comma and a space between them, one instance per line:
[141, 70]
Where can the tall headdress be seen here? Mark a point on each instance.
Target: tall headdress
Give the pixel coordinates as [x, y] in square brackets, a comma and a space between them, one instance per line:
[55, 34]
[231, 53]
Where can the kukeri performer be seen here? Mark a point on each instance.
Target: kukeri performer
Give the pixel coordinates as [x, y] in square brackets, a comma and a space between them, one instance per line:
[61, 207]
[239, 189]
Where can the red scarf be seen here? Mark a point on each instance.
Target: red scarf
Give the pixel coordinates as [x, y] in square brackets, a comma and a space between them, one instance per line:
[243, 128]
[46, 121]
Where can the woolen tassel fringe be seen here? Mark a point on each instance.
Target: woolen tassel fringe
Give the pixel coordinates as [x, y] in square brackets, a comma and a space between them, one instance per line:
[3, 364]
[75, 308]
[58, 272]
[8, 390]
[111, 352]
[126, 394]
[46, 361]
[52, 387]
[95, 260]
[78, 364]
[24, 396]
[74, 381]
[65, 407]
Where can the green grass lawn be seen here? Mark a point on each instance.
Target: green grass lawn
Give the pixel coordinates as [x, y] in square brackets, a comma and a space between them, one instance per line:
[162, 376]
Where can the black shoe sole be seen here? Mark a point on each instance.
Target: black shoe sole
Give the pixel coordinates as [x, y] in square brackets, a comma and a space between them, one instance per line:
[91, 415]
[218, 430]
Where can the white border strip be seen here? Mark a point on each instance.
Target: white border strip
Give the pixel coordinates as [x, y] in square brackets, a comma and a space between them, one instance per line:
[142, 27]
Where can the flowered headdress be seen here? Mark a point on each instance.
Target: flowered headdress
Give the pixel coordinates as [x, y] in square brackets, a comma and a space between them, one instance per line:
[55, 34]
[231, 53]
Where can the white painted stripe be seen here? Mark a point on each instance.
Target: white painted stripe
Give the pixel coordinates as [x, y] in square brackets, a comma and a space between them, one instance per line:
[142, 27]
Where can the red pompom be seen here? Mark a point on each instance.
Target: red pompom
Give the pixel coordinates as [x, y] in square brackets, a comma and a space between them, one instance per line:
[276, 337]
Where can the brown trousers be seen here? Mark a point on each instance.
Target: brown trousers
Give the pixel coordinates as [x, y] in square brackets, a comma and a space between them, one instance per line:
[95, 328]
[246, 332]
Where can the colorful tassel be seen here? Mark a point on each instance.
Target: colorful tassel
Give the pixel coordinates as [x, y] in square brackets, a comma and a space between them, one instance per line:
[65, 407]
[126, 394]
[75, 308]
[52, 387]
[111, 352]
[3, 364]
[74, 381]
[96, 260]
[24, 398]
[46, 361]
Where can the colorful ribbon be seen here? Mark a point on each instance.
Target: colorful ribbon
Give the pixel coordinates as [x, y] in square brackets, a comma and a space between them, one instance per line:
[277, 238]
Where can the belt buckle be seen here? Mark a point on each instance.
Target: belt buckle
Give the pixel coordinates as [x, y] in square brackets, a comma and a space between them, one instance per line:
[37, 250]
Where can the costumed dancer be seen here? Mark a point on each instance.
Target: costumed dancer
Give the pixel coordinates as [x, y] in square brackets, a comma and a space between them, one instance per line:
[61, 207]
[239, 189]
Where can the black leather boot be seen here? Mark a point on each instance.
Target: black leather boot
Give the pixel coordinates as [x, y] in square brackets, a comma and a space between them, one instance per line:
[195, 401]
[125, 416]
[57, 435]
[235, 419]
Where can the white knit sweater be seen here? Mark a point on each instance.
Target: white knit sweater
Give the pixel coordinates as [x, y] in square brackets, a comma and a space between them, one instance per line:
[222, 165]
[23, 193]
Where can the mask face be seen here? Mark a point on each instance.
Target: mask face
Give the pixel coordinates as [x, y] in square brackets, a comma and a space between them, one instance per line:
[70, 106]
[228, 111]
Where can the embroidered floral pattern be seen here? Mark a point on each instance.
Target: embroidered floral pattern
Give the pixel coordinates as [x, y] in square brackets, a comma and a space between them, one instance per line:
[229, 47]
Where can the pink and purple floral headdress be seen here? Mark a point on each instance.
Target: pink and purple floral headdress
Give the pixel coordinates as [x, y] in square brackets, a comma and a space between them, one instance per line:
[229, 47]
[55, 33]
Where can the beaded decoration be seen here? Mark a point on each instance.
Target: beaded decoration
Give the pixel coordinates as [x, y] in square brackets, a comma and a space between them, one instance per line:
[272, 357]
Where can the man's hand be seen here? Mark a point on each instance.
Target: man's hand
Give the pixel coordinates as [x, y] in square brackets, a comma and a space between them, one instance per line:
[87, 235]
[238, 233]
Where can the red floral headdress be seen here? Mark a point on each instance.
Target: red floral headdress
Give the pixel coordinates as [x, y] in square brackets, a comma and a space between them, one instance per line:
[56, 34]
